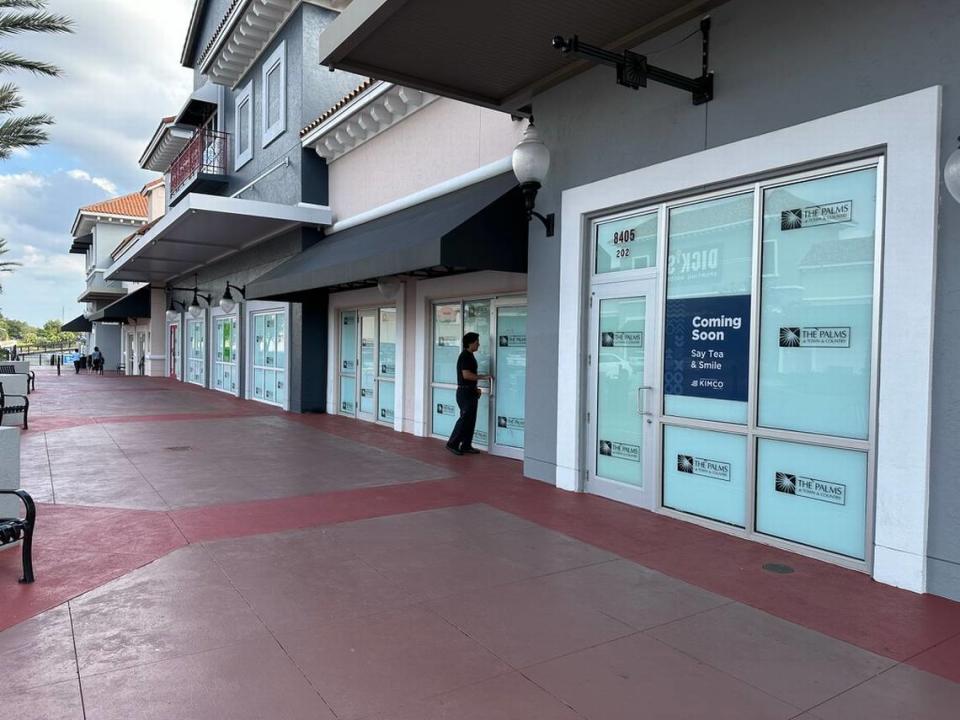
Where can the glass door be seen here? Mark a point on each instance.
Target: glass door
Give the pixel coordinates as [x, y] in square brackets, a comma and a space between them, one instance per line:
[269, 357]
[366, 409]
[225, 362]
[195, 348]
[510, 377]
[623, 397]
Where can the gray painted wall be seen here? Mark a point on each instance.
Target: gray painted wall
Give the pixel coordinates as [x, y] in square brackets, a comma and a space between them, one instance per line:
[778, 63]
[311, 90]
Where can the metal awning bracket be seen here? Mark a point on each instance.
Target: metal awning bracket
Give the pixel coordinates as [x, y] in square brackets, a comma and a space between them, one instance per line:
[633, 70]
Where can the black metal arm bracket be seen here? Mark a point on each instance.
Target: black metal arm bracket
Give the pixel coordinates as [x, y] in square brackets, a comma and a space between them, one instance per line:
[633, 70]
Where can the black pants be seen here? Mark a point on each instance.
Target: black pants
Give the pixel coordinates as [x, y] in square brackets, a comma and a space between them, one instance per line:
[462, 436]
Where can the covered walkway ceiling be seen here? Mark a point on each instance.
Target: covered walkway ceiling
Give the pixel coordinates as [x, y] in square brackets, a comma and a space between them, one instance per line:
[202, 229]
[495, 53]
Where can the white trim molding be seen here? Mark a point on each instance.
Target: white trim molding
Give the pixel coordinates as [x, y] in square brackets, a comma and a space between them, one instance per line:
[373, 111]
[244, 35]
[276, 63]
[243, 102]
[906, 129]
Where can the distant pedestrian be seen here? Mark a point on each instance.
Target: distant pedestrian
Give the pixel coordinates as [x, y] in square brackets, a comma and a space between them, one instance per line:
[468, 397]
[76, 360]
[96, 358]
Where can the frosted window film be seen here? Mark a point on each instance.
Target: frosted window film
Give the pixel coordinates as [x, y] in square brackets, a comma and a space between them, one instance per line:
[816, 316]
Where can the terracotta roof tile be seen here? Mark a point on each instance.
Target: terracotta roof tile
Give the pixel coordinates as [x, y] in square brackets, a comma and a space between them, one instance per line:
[133, 205]
[340, 103]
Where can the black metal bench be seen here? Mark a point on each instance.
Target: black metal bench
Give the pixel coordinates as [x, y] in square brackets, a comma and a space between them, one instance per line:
[21, 529]
[31, 376]
[8, 407]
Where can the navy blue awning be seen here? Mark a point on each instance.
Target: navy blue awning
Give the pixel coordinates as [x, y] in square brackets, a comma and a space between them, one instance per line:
[480, 227]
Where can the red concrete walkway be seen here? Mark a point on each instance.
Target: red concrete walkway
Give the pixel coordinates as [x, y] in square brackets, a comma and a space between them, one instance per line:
[344, 554]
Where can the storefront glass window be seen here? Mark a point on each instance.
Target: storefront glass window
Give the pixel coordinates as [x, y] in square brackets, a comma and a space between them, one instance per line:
[816, 316]
[707, 338]
[387, 365]
[705, 473]
[348, 362]
[626, 244]
[812, 495]
[447, 342]
[511, 375]
[477, 319]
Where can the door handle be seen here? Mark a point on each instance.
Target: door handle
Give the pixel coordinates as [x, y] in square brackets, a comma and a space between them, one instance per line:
[641, 405]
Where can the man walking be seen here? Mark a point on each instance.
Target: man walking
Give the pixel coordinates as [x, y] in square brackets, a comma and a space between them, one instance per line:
[468, 395]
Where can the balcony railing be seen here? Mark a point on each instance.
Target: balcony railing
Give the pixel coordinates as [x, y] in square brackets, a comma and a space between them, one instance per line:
[206, 153]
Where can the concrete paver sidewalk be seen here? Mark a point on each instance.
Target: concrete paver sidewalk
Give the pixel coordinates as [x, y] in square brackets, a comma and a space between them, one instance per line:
[280, 566]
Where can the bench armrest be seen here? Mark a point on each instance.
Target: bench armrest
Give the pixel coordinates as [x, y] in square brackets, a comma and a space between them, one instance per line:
[27, 502]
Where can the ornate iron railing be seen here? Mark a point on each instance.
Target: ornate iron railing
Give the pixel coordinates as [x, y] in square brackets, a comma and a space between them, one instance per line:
[207, 152]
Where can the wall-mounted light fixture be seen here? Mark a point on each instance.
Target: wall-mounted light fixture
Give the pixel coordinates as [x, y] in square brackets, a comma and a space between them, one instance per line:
[229, 301]
[172, 313]
[951, 174]
[195, 309]
[531, 162]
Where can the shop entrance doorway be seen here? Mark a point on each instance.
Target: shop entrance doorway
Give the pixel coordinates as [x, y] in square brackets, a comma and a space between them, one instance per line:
[368, 364]
[623, 394]
[501, 324]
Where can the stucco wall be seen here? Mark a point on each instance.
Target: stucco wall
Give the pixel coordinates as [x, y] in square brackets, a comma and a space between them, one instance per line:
[438, 142]
[777, 64]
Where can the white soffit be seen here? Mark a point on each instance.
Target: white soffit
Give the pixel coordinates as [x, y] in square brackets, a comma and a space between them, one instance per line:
[165, 146]
[373, 111]
[245, 32]
[205, 228]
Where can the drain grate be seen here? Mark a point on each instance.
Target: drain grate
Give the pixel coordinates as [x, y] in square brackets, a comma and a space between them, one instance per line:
[179, 448]
[778, 568]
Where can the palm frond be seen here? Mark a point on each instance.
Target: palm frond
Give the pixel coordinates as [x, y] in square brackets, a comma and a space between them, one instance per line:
[44, 22]
[10, 99]
[19, 132]
[12, 61]
[28, 4]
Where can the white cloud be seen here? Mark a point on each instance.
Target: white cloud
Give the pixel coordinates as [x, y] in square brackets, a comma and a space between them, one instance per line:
[102, 183]
[122, 74]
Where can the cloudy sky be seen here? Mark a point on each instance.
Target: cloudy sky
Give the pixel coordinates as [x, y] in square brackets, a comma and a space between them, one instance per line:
[122, 74]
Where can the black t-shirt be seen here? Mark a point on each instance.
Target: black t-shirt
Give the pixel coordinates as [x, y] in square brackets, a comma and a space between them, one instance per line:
[466, 361]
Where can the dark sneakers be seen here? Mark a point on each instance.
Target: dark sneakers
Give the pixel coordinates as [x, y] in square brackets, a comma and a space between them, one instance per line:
[454, 450]
[470, 450]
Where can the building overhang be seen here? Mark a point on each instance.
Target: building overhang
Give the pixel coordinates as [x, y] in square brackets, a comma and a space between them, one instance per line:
[82, 244]
[101, 294]
[133, 305]
[497, 53]
[84, 222]
[203, 229]
[166, 143]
